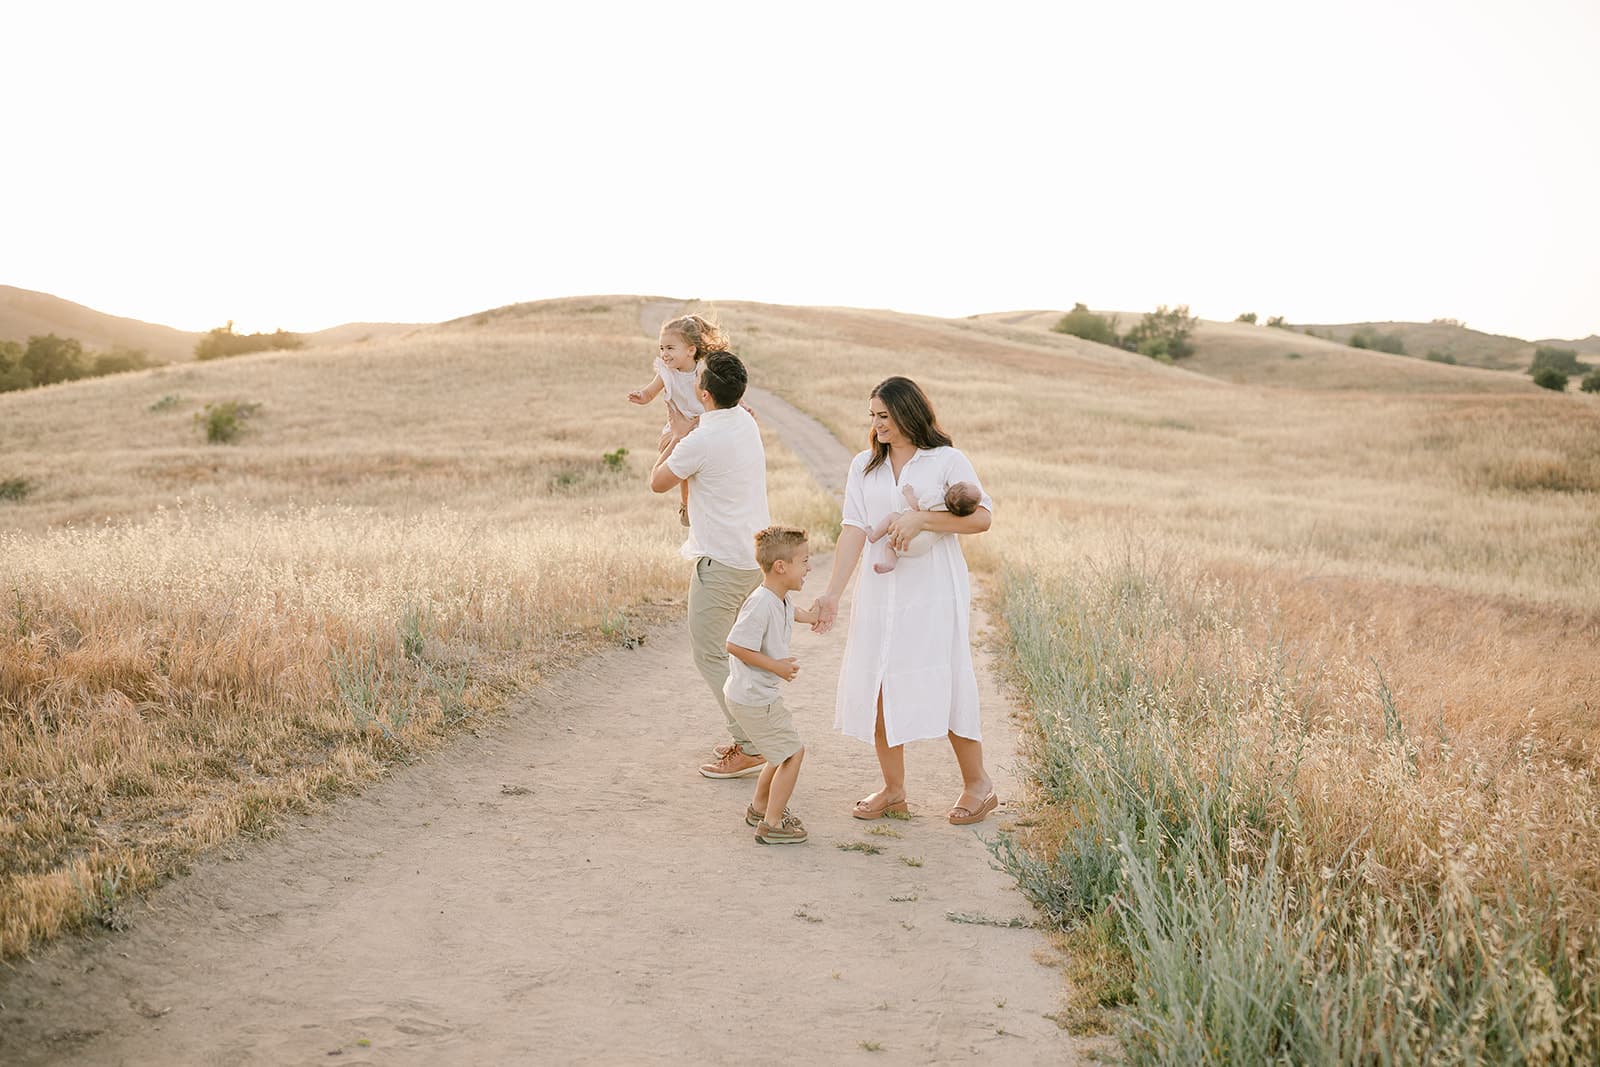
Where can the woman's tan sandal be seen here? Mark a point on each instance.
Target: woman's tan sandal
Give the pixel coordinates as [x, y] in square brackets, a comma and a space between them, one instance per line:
[962, 817]
[866, 808]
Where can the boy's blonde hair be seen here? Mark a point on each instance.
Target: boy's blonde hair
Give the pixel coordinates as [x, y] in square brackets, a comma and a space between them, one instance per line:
[706, 336]
[778, 542]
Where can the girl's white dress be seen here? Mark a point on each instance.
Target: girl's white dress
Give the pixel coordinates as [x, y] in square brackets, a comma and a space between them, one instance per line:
[679, 385]
[909, 629]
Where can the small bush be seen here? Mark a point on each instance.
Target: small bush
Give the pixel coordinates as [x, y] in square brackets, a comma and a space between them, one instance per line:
[1550, 378]
[119, 360]
[15, 488]
[224, 422]
[1292, 355]
[1081, 322]
[166, 403]
[615, 461]
[1164, 334]
[1277, 320]
[1366, 337]
[1591, 382]
[1248, 316]
[1436, 356]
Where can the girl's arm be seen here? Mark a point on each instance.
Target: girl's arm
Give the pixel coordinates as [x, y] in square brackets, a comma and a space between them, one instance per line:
[783, 668]
[846, 554]
[649, 392]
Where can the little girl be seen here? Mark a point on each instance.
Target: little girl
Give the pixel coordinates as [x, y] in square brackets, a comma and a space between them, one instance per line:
[684, 342]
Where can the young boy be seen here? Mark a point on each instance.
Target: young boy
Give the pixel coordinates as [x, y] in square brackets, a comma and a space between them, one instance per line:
[758, 656]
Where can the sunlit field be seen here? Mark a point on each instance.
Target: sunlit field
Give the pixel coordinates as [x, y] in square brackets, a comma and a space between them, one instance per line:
[1308, 655]
[1312, 678]
[198, 637]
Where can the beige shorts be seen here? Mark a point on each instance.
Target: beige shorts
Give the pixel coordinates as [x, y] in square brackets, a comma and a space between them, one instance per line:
[771, 732]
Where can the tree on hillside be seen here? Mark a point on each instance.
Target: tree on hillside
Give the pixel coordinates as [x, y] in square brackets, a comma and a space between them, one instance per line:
[1366, 337]
[120, 359]
[222, 341]
[50, 359]
[1278, 321]
[1081, 322]
[1591, 382]
[1248, 316]
[1561, 360]
[13, 375]
[1550, 378]
[1164, 334]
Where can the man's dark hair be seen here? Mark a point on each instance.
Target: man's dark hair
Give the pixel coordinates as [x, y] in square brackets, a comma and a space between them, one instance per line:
[722, 374]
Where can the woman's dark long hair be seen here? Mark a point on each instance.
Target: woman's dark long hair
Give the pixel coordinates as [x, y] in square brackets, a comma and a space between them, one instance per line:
[909, 408]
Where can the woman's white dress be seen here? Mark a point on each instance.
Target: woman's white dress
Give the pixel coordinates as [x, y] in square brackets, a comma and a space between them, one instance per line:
[909, 628]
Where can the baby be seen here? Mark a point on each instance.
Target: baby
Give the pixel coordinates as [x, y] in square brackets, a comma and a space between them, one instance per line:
[961, 498]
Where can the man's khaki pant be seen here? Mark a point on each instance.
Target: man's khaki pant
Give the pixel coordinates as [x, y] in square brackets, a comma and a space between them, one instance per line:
[716, 592]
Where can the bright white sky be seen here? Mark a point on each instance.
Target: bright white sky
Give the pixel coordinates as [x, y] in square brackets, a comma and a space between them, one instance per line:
[306, 164]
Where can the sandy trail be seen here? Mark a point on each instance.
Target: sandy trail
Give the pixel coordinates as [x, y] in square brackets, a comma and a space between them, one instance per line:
[564, 887]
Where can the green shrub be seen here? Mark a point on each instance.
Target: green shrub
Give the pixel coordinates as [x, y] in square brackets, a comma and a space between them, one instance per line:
[119, 360]
[1292, 355]
[50, 359]
[615, 461]
[1436, 356]
[166, 403]
[1591, 382]
[13, 375]
[1081, 322]
[1248, 316]
[1550, 378]
[1277, 320]
[1562, 360]
[222, 342]
[1163, 335]
[224, 422]
[1366, 337]
[15, 488]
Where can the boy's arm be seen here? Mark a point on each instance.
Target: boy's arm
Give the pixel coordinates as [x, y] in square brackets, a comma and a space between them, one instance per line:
[783, 668]
[808, 616]
[649, 392]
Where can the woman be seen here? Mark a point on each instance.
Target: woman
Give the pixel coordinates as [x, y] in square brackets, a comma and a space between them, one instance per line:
[907, 671]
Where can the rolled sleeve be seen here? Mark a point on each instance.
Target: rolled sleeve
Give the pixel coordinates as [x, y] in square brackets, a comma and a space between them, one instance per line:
[687, 458]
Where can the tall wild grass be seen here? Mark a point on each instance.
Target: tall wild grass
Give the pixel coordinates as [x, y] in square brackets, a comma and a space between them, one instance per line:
[1274, 861]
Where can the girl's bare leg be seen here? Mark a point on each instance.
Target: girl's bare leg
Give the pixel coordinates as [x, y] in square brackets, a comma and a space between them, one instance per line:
[977, 785]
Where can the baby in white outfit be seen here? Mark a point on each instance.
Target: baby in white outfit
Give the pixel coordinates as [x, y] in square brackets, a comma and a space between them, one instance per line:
[962, 498]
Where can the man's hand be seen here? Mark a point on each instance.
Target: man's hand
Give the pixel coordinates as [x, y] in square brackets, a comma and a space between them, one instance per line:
[681, 424]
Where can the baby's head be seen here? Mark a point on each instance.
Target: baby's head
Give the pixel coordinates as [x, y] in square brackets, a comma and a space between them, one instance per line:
[962, 498]
[784, 555]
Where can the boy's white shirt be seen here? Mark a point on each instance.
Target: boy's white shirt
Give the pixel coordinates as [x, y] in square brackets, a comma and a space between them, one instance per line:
[726, 468]
[766, 625]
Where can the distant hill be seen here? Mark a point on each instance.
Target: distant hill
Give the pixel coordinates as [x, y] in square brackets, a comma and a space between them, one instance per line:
[1470, 348]
[1588, 346]
[1247, 354]
[25, 313]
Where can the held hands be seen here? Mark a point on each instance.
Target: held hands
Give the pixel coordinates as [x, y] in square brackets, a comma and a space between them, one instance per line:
[827, 609]
[787, 668]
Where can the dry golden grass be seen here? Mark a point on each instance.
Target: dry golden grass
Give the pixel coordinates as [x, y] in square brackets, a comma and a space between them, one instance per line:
[406, 534]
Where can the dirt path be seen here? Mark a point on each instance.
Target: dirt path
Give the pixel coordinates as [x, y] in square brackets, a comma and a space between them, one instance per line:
[566, 888]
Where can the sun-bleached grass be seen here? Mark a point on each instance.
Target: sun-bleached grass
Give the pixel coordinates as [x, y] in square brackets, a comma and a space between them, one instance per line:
[267, 624]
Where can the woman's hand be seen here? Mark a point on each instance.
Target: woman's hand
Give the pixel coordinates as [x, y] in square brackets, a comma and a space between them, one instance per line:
[907, 524]
[827, 609]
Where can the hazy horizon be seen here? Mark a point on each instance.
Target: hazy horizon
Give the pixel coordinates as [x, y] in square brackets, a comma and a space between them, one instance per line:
[312, 166]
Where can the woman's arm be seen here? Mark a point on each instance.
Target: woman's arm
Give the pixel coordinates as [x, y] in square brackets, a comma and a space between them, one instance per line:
[846, 554]
[907, 524]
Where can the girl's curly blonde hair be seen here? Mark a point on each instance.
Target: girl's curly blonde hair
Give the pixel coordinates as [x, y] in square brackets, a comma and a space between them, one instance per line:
[707, 337]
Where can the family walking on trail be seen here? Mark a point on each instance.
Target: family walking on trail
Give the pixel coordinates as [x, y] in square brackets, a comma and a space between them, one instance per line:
[907, 673]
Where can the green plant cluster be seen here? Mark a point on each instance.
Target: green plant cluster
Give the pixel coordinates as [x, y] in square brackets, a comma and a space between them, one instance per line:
[1550, 378]
[1179, 870]
[1561, 360]
[1163, 334]
[223, 422]
[1367, 337]
[222, 342]
[1591, 382]
[48, 359]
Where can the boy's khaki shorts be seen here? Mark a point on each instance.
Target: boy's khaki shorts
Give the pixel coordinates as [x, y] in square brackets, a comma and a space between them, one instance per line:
[771, 732]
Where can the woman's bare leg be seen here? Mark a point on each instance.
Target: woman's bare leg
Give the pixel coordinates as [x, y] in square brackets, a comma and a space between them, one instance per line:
[892, 762]
[977, 785]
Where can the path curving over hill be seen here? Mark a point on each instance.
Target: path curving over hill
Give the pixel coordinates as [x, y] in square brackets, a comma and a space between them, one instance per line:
[565, 887]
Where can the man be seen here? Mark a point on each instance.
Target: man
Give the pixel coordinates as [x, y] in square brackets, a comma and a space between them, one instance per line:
[726, 468]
